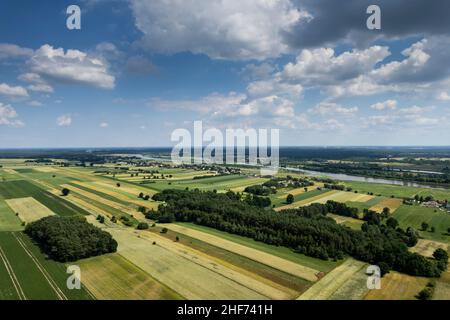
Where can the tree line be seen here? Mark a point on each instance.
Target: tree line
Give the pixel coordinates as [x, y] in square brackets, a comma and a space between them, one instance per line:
[306, 230]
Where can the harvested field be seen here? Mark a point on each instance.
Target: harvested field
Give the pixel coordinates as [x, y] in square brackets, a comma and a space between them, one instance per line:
[427, 247]
[182, 275]
[307, 200]
[336, 283]
[347, 221]
[442, 289]
[341, 196]
[391, 203]
[398, 286]
[262, 257]
[112, 277]
[296, 192]
[221, 267]
[29, 209]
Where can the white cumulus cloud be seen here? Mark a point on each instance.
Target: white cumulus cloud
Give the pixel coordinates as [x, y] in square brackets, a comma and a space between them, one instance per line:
[72, 66]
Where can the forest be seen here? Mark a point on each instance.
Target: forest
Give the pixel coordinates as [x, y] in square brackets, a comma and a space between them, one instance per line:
[68, 239]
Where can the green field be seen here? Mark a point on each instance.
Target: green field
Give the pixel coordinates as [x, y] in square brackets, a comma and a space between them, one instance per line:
[35, 277]
[22, 189]
[397, 191]
[413, 216]
[282, 252]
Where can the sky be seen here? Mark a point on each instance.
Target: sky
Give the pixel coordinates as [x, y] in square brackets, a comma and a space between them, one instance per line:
[140, 69]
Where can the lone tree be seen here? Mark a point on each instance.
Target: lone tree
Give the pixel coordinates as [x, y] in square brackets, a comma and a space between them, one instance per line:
[290, 199]
[118, 185]
[424, 226]
[65, 192]
[141, 195]
[142, 226]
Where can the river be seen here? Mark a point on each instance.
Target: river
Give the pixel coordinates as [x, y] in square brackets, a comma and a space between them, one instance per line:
[347, 177]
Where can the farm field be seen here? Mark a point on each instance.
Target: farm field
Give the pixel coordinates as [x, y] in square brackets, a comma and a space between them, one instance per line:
[111, 277]
[23, 189]
[398, 286]
[413, 216]
[391, 203]
[28, 209]
[442, 289]
[262, 257]
[284, 253]
[346, 282]
[427, 247]
[189, 261]
[347, 221]
[186, 277]
[31, 275]
[8, 219]
[387, 190]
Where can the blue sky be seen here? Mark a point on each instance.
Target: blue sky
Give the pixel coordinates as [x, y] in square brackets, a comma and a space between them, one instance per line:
[137, 70]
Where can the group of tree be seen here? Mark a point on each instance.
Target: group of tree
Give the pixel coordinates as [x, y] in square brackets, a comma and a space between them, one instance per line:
[259, 190]
[307, 230]
[68, 239]
[144, 197]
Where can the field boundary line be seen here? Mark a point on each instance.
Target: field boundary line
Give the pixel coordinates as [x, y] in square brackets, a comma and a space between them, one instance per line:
[12, 275]
[44, 272]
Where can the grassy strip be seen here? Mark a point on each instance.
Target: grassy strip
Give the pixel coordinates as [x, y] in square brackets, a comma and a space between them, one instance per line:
[282, 252]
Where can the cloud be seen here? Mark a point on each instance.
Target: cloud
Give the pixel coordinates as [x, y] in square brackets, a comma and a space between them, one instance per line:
[73, 66]
[231, 29]
[35, 103]
[140, 65]
[258, 71]
[64, 120]
[104, 125]
[443, 96]
[14, 92]
[8, 116]
[325, 108]
[388, 104]
[323, 67]
[345, 21]
[13, 51]
[37, 83]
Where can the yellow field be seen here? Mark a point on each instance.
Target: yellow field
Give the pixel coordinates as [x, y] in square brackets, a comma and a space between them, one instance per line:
[219, 266]
[256, 255]
[112, 277]
[46, 169]
[100, 199]
[29, 209]
[341, 196]
[306, 201]
[335, 195]
[10, 171]
[336, 282]
[398, 286]
[119, 194]
[442, 289]
[427, 247]
[391, 203]
[181, 274]
[347, 221]
[296, 192]
[134, 190]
